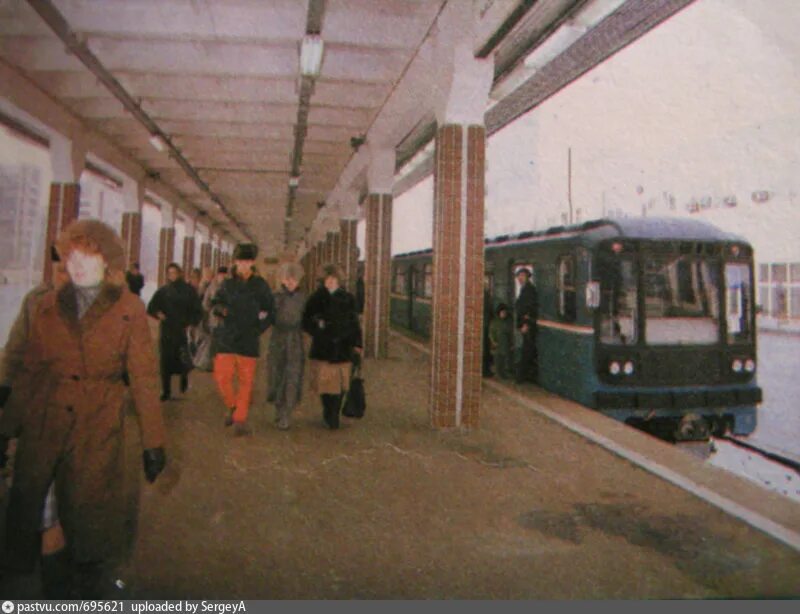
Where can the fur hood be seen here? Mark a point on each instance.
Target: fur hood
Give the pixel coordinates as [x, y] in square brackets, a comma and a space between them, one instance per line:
[96, 233]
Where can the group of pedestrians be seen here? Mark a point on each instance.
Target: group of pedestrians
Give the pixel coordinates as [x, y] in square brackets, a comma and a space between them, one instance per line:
[81, 351]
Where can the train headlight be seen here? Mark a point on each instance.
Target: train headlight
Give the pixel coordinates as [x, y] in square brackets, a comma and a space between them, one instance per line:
[627, 368]
[614, 368]
[737, 365]
[749, 365]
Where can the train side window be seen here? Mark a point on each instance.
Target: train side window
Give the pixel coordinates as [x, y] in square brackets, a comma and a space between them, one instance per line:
[399, 282]
[566, 288]
[427, 281]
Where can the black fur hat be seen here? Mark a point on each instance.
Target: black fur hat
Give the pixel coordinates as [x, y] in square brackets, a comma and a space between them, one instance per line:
[245, 251]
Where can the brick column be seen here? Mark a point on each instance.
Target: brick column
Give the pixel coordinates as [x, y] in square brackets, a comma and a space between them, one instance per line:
[166, 252]
[376, 275]
[132, 236]
[458, 276]
[205, 255]
[65, 200]
[188, 255]
[329, 248]
[349, 252]
[336, 252]
[458, 201]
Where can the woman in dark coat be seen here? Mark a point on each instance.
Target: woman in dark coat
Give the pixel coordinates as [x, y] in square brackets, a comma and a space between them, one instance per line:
[286, 356]
[83, 337]
[331, 318]
[178, 307]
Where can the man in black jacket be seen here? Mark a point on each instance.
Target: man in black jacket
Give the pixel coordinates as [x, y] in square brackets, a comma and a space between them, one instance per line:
[526, 310]
[245, 307]
[178, 307]
[135, 279]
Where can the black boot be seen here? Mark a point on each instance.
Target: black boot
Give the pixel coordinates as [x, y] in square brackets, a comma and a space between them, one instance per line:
[330, 409]
[56, 573]
[184, 383]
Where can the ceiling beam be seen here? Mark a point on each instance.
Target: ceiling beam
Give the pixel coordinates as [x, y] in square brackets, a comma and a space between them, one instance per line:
[50, 14]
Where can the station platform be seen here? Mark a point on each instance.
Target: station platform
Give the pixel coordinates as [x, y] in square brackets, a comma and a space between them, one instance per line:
[546, 500]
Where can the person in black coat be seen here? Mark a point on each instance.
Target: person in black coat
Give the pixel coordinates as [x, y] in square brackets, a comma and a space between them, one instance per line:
[178, 307]
[331, 318]
[526, 311]
[246, 308]
[488, 312]
[135, 279]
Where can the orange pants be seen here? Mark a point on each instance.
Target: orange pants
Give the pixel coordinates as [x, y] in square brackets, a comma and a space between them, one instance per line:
[226, 366]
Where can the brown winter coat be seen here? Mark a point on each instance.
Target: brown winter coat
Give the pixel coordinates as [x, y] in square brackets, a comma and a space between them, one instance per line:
[73, 399]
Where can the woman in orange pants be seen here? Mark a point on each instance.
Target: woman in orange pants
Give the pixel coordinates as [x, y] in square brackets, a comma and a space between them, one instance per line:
[245, 306]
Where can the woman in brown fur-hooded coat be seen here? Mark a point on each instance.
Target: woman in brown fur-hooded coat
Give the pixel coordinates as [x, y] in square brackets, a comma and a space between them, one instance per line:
[71, 399]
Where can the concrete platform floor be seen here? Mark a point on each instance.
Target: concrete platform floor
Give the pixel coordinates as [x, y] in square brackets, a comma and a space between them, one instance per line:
[388, 508]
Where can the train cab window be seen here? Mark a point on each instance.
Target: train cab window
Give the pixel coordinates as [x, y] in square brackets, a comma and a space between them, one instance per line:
[618, 301]
[427, 281]
[399, 282]
[681, 300]
[566, 288]
[738, 292]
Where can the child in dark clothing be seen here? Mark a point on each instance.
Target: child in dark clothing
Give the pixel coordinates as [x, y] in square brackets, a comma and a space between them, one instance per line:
[501, 339]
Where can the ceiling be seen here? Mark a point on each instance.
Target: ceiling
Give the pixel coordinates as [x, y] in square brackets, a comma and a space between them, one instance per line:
[219, 81]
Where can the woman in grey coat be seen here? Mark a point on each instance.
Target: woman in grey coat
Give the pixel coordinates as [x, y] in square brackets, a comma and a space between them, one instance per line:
[286, 356]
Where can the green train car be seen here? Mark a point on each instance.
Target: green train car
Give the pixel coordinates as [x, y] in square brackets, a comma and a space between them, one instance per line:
[650, 321]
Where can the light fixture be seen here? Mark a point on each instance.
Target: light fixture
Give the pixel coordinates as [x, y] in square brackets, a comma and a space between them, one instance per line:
[294, 181]
[311, 55]
[157, 142]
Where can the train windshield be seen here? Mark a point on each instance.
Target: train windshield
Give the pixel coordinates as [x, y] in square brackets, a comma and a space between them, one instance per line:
[740, 309]
[681, 298]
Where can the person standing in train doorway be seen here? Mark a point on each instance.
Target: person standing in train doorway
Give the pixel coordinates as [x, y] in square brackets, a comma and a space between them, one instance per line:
[526, 311]
[245, 307]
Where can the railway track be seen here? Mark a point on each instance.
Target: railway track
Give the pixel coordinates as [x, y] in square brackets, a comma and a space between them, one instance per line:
[773, 456]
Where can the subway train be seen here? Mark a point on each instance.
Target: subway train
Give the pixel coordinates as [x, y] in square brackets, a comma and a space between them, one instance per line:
[650, 321]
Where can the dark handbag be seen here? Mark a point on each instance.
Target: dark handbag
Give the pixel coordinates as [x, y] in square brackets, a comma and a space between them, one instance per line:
[187, 364]
[354, 403]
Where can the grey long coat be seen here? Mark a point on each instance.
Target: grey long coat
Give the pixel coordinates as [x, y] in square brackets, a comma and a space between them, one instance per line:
[286, 356]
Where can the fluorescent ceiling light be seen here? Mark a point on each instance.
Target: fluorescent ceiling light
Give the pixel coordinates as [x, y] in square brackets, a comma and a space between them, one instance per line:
[311, 55]
[157, 142]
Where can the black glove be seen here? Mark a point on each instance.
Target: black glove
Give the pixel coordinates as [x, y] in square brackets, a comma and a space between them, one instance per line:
[5, 392]
[154, 461]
